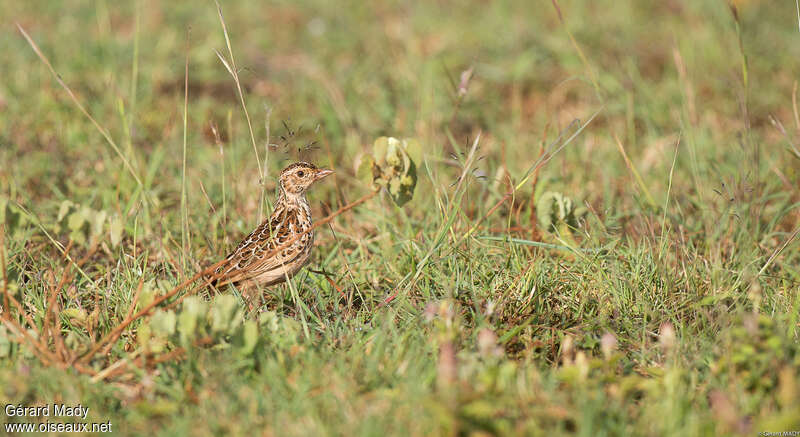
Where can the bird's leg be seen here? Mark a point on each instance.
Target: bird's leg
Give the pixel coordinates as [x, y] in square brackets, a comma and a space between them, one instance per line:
[250, 297]
[328, 276]
[323, 273]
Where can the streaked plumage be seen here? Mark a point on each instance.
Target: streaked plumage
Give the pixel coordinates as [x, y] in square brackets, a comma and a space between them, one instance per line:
[255, 260]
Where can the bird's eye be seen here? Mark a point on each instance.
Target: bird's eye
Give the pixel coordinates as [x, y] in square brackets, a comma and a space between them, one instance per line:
[301, 173]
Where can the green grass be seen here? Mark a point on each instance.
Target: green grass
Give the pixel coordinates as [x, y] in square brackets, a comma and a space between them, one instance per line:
[671, 309]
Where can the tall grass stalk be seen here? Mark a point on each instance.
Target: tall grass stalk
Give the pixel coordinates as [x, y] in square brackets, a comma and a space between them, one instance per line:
[185, 240]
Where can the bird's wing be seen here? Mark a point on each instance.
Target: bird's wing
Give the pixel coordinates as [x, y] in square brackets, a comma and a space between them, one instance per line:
[257, 253]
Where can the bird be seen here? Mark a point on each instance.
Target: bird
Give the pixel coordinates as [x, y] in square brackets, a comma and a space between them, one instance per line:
[268, 256]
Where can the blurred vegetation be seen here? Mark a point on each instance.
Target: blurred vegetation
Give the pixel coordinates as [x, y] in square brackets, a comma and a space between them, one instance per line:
[641, 281]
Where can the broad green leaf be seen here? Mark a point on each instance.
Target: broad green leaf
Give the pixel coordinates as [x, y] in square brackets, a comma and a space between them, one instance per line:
[76, 315]
[146, 297]
[281, 330]
[394, 169]
[269, 320]
[394, 156]
[364, 170]
[115, 230]
[64, 209]
[143, 335]
[192, 310]
[222, 313]
[163, 323]
[414, 149]
[75, 220]
[554, 208]
[402, 188]
[98, 220]
[78, 236]
[379, 148]
[249, 337]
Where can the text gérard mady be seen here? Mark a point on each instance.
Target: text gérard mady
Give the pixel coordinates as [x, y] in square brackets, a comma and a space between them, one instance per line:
[47, 410]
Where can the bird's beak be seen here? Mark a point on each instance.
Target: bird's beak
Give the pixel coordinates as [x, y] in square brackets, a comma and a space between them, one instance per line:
[321, 173]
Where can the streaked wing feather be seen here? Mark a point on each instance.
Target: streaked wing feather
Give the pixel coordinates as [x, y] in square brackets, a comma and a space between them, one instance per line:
[254, 257]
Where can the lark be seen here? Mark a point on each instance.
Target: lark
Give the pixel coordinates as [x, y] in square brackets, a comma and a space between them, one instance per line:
[267, 256]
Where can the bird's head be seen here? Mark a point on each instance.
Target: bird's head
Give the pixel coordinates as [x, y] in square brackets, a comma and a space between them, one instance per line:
[296, 178]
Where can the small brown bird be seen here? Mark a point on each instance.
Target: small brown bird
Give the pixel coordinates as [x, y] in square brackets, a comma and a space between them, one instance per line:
[261, 259]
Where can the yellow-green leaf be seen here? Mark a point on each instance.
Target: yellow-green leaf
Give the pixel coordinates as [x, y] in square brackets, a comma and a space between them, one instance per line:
[163, 323]
[75, 220]
[249, 337]
[76, 315]
[115, 230]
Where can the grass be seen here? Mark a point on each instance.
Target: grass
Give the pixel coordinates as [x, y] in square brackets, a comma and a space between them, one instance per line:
[666, 303]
